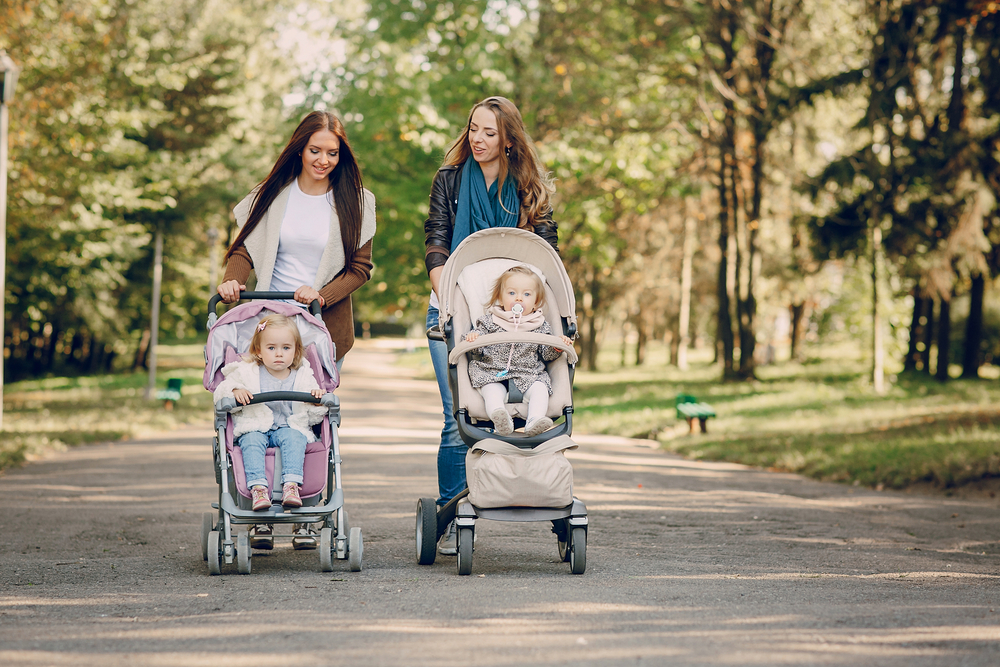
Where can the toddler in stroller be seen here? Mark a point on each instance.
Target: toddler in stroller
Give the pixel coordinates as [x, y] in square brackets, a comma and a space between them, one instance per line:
[468, 283]
[514, 305]
[276, 451]
[275, 363]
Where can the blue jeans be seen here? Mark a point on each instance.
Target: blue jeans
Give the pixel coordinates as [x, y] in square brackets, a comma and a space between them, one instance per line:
[293, 454]
[451, 452]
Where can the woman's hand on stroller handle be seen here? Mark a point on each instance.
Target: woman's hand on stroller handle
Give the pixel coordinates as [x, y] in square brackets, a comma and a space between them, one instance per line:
[315, 306]
[230, 290]
[307, 295]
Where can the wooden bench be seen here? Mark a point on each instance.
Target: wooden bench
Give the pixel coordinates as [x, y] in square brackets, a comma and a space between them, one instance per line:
[690, 409]
[171, 394]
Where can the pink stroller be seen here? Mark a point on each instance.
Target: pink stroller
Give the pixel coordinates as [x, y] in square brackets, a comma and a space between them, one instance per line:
[322, 495]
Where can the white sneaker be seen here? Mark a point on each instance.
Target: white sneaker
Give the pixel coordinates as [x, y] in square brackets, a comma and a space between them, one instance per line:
[502, 422]
[537, 426]
[261, 536]
[448, 544]
[303, 537]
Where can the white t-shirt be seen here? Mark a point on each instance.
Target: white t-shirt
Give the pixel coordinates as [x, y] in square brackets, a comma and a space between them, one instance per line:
[305, 230]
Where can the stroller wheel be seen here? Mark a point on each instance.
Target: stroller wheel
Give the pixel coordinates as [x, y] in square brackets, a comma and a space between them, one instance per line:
[243, 553]
[214, 552]
[465, 543]
[355, 549]
[326, 549]
[578, 550]
[426, 531]
[207, 524]
[561, 528]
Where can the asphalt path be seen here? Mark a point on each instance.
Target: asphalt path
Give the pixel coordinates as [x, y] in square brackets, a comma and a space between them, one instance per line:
[689, 563]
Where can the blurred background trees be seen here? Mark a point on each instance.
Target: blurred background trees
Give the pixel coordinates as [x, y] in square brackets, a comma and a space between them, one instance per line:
[743, 176]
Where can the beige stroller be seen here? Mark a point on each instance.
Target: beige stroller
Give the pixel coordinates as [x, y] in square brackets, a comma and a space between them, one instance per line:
[466, 281]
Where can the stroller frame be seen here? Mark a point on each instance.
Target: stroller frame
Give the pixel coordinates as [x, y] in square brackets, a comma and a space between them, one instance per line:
[569, 523]
[337, 539]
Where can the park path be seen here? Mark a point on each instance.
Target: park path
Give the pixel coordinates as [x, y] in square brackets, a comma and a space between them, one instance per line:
[689, 563]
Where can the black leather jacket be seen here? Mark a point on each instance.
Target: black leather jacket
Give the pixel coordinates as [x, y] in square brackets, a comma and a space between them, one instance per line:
[440, 223]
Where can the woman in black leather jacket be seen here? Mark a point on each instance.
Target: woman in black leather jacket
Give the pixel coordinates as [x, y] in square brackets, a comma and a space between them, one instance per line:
[491, 177]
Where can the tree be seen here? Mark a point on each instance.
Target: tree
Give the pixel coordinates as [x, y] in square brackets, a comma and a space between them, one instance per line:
[120, 131]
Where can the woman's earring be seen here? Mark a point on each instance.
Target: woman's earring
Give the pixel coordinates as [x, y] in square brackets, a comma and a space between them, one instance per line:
[508, 151]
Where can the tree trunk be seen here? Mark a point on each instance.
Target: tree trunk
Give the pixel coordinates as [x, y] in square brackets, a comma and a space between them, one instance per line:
[797, 311]
[591, 358]
[641, 339]
[154, 325]
[724, 30]
[52, 344]
[943, 340]
[971, 354]
[913, 351]
[626, 328]
[878, 345]
[140, 352]
[94, 358]
[590, 340]
[684, 317]
[928, 331]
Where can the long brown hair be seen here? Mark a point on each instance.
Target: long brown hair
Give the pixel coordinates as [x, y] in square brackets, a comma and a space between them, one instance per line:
[345, 183]
[534, 184]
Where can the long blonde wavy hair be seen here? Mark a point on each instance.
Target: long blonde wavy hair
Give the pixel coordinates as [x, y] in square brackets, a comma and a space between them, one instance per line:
[534, 184]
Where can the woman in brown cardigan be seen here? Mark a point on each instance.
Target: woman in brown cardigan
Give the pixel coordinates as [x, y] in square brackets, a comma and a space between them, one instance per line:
[308, 229]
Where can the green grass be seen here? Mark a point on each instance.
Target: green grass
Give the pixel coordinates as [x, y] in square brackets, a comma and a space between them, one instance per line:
[820, 418]
[55, 413]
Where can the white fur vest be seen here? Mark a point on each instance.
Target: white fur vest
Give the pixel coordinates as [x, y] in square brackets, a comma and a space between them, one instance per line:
[258, 417]
[262, 244]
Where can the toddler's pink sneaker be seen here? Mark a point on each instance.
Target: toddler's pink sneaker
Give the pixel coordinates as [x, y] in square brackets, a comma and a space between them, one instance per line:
[261, 498]
[290, 495]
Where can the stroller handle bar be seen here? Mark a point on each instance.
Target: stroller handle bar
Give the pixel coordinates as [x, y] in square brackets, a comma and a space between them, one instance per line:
[329, 400]
[213, 303]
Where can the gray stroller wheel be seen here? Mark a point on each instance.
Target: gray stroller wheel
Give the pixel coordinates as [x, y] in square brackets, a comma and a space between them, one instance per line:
[562, 538]
[214, 552]
[326, 549]
[207, 524]
[243, 553]
[355, 549]
[426, 531]
[578, 550]
[465, 543]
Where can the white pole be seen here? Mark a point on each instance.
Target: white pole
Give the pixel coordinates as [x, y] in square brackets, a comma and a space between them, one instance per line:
[4, 120]
[154, 325]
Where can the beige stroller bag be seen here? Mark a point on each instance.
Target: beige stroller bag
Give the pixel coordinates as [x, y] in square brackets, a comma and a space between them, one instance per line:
[502, 475]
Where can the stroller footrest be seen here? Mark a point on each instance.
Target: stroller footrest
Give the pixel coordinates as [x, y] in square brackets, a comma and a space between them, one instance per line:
[335, 502]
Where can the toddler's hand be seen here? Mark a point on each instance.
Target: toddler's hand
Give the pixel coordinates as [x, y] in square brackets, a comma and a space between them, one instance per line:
[242, 396]
[471, 336]
[317, 393]
[568, 340]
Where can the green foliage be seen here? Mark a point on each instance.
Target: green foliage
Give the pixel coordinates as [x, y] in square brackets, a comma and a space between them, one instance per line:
[820, 419]
[41, 416]
[128, 119]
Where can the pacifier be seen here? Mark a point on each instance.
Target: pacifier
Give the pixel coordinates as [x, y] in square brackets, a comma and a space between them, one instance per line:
[518, 310]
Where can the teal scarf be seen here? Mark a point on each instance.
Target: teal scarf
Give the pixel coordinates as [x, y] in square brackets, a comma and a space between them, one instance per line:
[479, 208]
